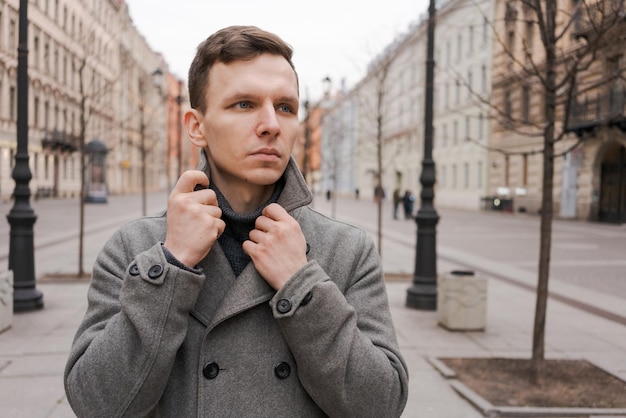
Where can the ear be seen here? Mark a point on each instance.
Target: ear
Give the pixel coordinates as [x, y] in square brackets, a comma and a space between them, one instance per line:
[193, 124]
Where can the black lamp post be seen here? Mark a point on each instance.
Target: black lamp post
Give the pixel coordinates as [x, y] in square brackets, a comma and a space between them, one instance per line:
[423, 293]
[22, 217]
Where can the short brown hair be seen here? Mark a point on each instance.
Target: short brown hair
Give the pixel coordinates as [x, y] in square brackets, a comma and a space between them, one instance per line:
[233, 43]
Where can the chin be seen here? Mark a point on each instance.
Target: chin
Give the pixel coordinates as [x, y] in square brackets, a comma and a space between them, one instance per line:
[266, 176]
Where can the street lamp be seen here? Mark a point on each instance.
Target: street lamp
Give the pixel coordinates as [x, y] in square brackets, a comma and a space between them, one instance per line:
[423, 293]
[22, 217]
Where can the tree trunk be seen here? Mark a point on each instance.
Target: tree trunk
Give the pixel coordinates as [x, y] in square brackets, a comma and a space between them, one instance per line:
[545, 245]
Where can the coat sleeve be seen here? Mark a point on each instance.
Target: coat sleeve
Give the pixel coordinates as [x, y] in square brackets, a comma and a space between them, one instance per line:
[136, 319]
[343, 340]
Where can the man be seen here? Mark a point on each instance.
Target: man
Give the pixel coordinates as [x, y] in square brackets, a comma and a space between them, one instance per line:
[240, 300]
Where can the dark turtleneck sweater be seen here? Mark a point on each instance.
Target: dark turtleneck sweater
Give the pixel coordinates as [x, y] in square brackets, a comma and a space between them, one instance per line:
[238, 227]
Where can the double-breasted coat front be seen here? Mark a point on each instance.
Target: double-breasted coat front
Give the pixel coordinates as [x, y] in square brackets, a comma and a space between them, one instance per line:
[160, 340]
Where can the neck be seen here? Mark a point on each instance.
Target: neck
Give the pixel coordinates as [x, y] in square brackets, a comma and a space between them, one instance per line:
[246, 199]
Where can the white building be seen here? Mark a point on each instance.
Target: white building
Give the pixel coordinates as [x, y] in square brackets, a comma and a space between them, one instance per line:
[464, 40]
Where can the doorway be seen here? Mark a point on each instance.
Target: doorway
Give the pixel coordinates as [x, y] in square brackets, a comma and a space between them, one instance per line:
[613, 185]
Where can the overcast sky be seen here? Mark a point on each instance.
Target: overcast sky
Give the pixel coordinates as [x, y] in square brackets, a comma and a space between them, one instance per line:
[335, 38]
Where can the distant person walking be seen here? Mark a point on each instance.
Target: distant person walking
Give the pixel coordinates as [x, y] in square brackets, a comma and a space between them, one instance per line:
[408, 201]
[397, 198]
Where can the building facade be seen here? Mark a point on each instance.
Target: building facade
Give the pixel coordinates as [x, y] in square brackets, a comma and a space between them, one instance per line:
[489, 112]
[589, 180]
[370, 135]
[92, 77]
[464, 41]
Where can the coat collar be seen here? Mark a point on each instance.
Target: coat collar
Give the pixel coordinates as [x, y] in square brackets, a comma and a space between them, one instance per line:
[296, 192]
[224, 295]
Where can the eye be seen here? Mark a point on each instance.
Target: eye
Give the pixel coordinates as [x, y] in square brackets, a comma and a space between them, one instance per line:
[243, 105]
[285, 108]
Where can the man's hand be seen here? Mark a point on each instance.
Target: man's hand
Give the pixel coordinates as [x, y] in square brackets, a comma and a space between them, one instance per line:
[276, 246]
[193, 219]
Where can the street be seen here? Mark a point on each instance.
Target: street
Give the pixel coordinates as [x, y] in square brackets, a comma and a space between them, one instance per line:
[586, 318]
[584, 254]
[590, 255]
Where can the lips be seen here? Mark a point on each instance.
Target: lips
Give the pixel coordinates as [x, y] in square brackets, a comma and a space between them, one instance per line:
[269, 152]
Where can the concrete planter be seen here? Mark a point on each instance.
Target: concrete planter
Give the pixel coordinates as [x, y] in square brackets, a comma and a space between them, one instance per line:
[6, 300]
[462, 301]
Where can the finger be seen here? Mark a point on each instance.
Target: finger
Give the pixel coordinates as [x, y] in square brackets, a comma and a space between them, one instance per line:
[214, 210]
[263, 223]
[275, 211]
[256, 235]
[188, 181]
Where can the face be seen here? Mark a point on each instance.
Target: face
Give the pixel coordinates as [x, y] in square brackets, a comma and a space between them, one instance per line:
[251, 121]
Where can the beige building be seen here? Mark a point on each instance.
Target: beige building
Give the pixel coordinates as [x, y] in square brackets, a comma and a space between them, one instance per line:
[589, 164]
[91, 76]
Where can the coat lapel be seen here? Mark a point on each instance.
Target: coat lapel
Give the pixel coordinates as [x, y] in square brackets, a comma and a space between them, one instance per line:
[224, 295]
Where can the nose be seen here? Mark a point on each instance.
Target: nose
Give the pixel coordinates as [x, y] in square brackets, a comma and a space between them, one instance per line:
[268, 121]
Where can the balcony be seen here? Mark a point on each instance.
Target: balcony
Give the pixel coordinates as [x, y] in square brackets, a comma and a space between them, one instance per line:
[597, 17]
[602, 110]
[59, 141]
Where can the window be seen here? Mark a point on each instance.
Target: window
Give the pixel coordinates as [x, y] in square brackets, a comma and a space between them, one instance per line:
[36, 51]
[525, 103]
[510, 42]
[483, 79]
[530, 36]
[479, 174]
[454, 176]
[455, 133]
[12, 103]
[466, 175]
[485, 30]
[470, 41]
[507, 103]
[36, 112]
[13, 36]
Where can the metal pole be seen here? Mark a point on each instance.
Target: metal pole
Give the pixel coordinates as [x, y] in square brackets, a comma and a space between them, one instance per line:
[179, 128]
[423, 293]
[22, 217]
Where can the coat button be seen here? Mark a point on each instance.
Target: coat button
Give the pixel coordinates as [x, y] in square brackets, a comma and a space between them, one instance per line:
[155, 271]
[211, 370]
[283, 306]
[307, 299]
[134, 270]
[282, 370]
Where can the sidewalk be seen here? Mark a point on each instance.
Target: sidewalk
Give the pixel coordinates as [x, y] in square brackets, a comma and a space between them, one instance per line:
[33, 352]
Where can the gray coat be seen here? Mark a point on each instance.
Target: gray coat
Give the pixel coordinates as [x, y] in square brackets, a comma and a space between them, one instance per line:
[158, 340]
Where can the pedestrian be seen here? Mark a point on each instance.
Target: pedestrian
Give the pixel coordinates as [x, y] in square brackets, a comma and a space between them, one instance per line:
[379, 194]
[397, 198]
[408, 201]
[240, 299]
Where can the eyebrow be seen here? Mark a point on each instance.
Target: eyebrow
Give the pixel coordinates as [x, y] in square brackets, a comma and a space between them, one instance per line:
[252, 97]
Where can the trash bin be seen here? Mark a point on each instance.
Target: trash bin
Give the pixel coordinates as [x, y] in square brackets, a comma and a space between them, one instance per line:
[462, 301]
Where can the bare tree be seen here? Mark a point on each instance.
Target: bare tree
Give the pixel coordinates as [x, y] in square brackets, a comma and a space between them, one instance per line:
[373, 140]
[557, 71]
[93, 88]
